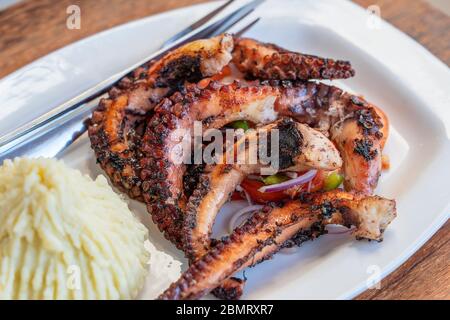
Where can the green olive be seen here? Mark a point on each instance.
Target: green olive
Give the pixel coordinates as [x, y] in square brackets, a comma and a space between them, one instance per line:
[240, 124]
[333, 181]
[274, 179]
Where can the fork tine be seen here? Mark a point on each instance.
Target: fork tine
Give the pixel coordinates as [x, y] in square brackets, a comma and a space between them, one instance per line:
[65, 112]
[220, 26]
[196, 24]
[229, 21]
[246, 28]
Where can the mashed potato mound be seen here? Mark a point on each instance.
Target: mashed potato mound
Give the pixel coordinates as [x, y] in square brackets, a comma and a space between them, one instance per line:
[65, 236]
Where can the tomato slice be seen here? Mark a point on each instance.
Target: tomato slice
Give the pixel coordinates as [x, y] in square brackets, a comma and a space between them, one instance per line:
[252, 186]
[237, 196]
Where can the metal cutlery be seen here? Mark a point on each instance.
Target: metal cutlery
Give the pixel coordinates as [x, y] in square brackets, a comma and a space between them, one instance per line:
[50, 134]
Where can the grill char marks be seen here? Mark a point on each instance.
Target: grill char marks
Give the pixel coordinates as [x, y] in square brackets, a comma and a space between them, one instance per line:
[316, 230]
[290, 143]
[219, 181]
[164, 202]
[231, 289]
[192, 177]
[176, 72]
[116, 126]
[360, 138]
[115, 130]
[115, 135]
[363, 148]
[179, 112]
[312, 103]
[132, 134]
[267, 61]
[266, 232]
[348, 120]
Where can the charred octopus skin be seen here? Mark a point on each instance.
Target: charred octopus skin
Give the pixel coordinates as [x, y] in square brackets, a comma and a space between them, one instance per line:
[135, 133]
[300, 148]
[276, 226]
[117, 125]
[268, 61]
[214, 106]
[356, 126]
[350, 121]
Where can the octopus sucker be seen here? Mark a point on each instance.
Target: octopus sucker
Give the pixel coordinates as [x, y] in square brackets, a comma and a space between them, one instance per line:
[265, 232]
[268, 61]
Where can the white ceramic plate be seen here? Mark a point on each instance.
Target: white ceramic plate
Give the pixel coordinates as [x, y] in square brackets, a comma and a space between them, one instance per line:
[393, 71]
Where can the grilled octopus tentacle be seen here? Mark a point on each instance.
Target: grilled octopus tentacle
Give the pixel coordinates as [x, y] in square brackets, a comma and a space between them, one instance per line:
[356, 127]
[116, 126]
[266, 231]
[300, 148]
[353, 124]
[268, 61]
[215, 106]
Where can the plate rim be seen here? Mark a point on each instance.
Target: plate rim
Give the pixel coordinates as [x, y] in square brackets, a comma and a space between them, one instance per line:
[426, 234]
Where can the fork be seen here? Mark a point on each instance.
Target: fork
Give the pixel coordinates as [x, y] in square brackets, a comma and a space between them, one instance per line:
[56, 130]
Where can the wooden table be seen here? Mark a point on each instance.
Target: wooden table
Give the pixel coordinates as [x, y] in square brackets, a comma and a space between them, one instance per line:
[34, 28]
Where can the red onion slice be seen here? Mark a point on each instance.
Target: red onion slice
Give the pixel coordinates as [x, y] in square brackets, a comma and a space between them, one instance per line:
[247, 196]
[304, 178]
[242, 215]
[309, 186]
